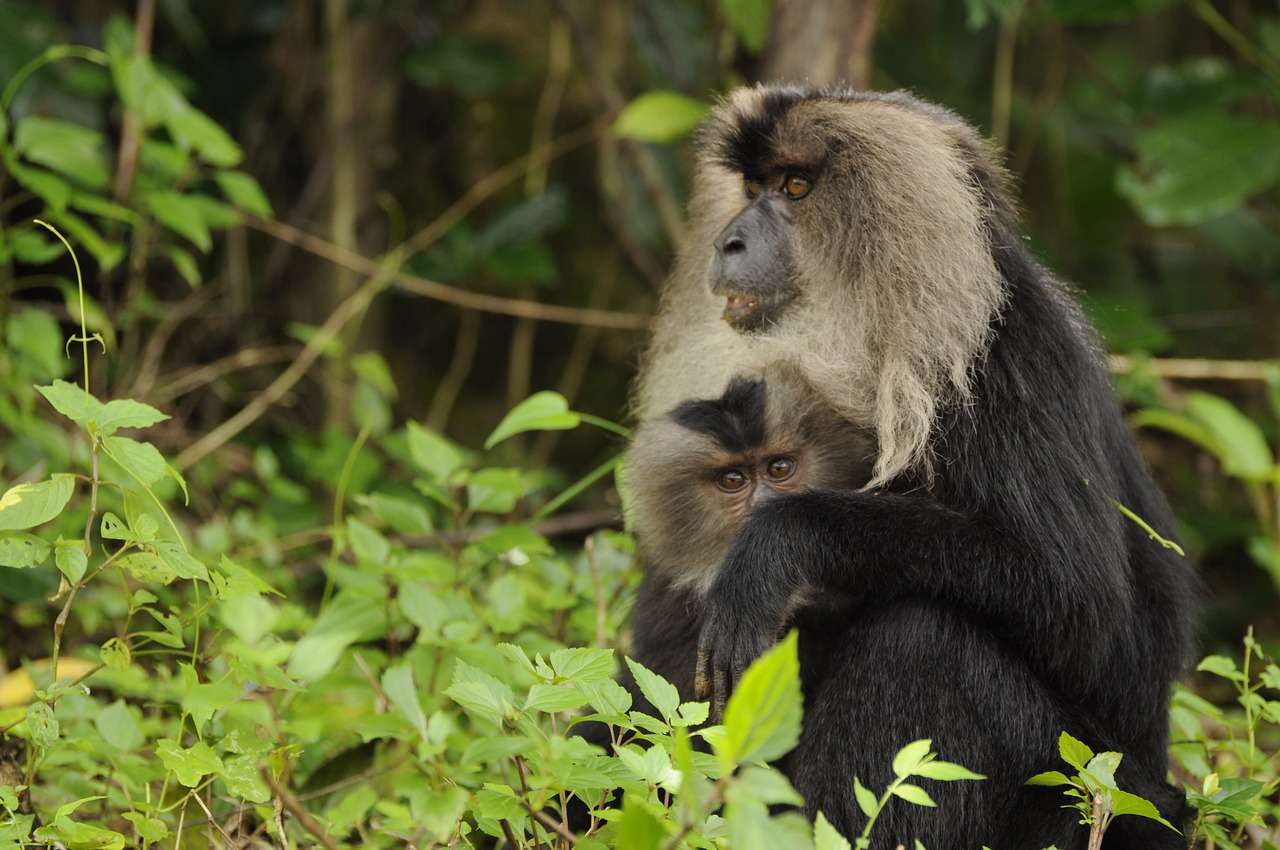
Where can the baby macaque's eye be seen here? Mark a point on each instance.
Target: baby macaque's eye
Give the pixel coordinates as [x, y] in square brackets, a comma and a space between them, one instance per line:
[781, 468]
[731, 480]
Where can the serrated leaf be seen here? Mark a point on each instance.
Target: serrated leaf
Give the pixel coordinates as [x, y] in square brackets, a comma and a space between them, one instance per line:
[762, 719]
[1075, 753]
[480, 693]
[28, 505]
[583, 664]
[542, 411]
[127, 413]
[189, 764]
[21, 550]
[552, 698]
[72, 401]
[1102, 769]
[909, 757]
[657, 690]
[913, 794]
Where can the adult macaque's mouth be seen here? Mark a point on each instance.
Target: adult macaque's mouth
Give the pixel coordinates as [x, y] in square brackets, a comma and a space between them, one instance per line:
[739, 307]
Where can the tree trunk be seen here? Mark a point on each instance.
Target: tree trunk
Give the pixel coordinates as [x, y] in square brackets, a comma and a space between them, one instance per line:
[822, 42]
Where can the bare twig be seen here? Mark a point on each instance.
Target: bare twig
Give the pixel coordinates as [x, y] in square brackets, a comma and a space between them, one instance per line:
[293, 807]
[464, 355]
[1193, 369]
[448, 294]
[199, 376]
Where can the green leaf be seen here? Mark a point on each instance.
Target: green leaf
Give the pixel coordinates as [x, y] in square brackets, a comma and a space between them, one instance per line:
[639, 828]
[68, 149]
[867, 800]
[243, 780]
[401, 515]
[243, 191]
[480, 694]
[660, 116]
[74, 835]
[1242, 447]
[1050, 778]
[1074, 752]
[369, 546]
[126, 413]
[72, 402]
[552, 698]
[70, 557]
[750, 19]
[42, 725]
[1220, 665]
[29, 505]
[762, 719]
[1196, 166]
[399, 686]
[50, 188]
[913, 794]
[189, 764]
[150, 830]
[432, 453]
[118, 726]
[1125, 803]
[583, 664]
[945, 771]
[115, 654]
[21, 550]
[348, 618]
[494, 490]
[542, 411]
[910, 757]
[657, 690]
[181, 214]
[825, 836]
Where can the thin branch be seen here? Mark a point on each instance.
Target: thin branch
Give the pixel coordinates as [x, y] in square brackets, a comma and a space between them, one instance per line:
[353, 306]
[1193, 369]
[449, 294]
[293, 807]
[191, 379]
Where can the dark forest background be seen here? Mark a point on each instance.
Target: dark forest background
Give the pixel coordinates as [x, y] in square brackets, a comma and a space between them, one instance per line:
[302, 225]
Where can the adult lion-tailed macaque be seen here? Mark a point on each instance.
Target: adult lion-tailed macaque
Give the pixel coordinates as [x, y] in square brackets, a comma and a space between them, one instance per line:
[700, 472]
[992, 594]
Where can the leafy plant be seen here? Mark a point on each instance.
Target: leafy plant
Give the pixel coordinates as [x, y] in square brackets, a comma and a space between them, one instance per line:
[1093, 787]
[1240, 446]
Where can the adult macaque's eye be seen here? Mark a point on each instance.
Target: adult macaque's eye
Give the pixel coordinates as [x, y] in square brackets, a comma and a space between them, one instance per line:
[781, 468]
[796, 186]
[731, 480]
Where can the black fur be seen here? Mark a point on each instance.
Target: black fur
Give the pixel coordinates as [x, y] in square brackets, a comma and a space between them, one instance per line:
[1006, 601]
[735, 421]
